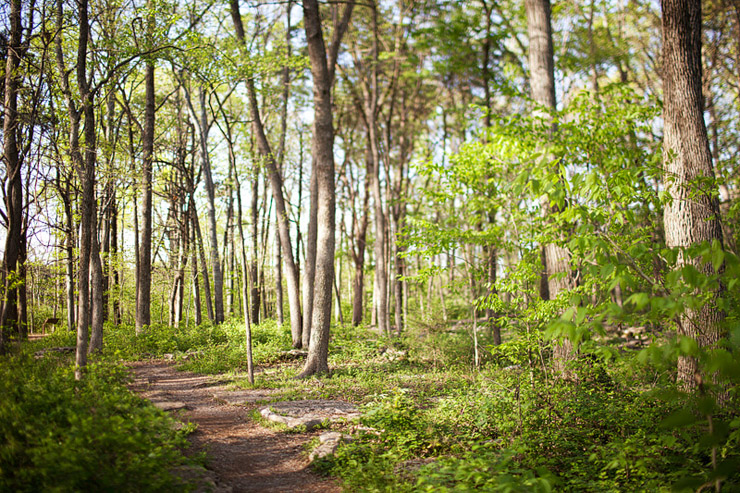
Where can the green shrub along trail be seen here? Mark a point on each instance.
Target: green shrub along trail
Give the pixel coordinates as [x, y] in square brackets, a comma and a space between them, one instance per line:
[430, 421]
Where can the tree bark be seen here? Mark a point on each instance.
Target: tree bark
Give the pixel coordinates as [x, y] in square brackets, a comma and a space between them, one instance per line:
[203, 262]
[692, 215]
[276, 183]
[542, 80]
[323, 152]
[9, 318]
[218, 280]
[254, 265]
[144, 272]
[85, 167]
[309, 271]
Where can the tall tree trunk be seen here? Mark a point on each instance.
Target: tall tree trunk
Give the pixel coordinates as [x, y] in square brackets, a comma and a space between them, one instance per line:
[692, 215]
[542, 80]
[281, 162]
[254, 265]
[96, 289]
[370, 109]
[276, 183]
[144, 273]
[84, 165]
[203, 263]
[309, 271]
[9, 318]
[69, 248]
[194, 269]
[218, 280]
[245, 267]
[359, 244]
[323, 152]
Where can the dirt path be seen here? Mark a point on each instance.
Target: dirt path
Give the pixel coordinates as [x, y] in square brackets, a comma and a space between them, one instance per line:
[243, 455]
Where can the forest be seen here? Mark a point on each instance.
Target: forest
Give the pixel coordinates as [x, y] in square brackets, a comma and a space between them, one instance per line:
[498, 238]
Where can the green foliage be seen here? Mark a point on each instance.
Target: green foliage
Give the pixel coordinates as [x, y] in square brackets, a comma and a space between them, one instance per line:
[95, 435]
[205, 348]
[515, 428]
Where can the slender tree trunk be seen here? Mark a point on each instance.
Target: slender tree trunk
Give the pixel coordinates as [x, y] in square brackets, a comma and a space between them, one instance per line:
[84, 165]
[358, 254]
[69, 248]
[370, 108]
[203, 263]
[542, 81]
[144, 273]
[245, 274]
[194, 269]
[281, 162]
[692, 215]
[218, 280]
[254, 265]
[323, 152]
[96, 289]
[309, 271]
[10, 319]
[276, 183]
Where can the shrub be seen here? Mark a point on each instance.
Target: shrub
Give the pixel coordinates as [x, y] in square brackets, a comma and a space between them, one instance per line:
[57, 434]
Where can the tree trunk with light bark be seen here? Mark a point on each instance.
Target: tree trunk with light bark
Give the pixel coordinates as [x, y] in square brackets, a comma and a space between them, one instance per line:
[692, 215]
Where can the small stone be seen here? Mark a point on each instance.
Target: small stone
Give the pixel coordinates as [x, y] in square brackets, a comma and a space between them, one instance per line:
[407, 468]
[293, 354]
[203, 480]
[170, 405]
[334, 436]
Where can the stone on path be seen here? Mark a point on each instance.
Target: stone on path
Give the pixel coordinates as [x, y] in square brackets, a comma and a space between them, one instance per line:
[169, 405]
[328, 444]
[309, 413]
[205, 481]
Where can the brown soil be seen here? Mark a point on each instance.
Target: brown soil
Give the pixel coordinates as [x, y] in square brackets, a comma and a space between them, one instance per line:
[243, 455]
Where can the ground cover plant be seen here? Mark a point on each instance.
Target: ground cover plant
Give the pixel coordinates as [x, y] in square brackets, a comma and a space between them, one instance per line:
[59, 434]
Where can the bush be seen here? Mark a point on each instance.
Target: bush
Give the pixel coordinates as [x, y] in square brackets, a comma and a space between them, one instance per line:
[57, 434]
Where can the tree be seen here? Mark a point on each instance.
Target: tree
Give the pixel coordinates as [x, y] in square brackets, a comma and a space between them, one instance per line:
[144, 273]
[556, 258]
[84, 165]
[276, 183]
[10, 319]
[323, 152]
[691, 216]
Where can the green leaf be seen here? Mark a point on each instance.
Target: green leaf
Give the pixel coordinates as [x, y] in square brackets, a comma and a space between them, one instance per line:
[640, 300]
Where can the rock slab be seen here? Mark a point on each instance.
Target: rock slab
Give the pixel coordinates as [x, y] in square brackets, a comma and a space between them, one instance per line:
[328, 444]
[309, 413]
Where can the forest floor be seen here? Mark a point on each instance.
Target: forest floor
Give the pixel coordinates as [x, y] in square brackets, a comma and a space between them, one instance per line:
[242, 455]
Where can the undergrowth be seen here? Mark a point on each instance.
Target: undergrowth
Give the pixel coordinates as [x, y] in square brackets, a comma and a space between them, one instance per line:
[431, 421]
[58, 434]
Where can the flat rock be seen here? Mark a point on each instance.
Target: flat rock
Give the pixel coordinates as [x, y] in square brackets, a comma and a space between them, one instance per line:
[308, 421]
[169, 405]
[293, 354]
[309, 413]
[328, 444]
[328, 408]
[242, 397]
